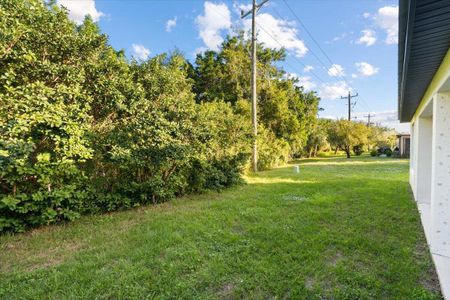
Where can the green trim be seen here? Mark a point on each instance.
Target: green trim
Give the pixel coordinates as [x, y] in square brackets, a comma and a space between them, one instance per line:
[442, 74]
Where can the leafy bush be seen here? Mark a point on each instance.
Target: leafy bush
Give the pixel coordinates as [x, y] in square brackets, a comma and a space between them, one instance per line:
[386, 150]
[374, 153]
[358, 150]
[44, 115]
[85, 130]
[217, 174]
[396, 153]
[82, 130]
[271, 151]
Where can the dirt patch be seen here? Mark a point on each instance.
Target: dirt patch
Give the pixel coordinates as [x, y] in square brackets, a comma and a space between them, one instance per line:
[295, 198]
[429, 279]
[226, 291]
[335, 259]
[238, 229]
[18, 258]
[309, 283]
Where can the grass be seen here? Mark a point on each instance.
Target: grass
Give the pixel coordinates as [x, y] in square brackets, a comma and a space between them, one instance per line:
[341, 229]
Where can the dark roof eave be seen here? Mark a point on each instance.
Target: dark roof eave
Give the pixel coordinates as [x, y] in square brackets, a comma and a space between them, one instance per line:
[406, 21]
[424, 39]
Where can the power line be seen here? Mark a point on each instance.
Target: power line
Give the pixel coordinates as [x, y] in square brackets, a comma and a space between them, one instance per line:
[281, 45]
[295, 57]
[321, 49]
[312, 52]
[332, 64]
[313, 39]
[316, 56]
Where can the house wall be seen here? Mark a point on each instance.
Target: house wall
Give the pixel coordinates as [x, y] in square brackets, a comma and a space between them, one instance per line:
[430, 169]
[423, 163]
[440, 175]
[426, 139]
[412, 159]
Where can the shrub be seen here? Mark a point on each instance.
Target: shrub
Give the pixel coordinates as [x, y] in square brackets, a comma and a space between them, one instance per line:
[358, 150]
[373, 153]
[217, 174]
[396, 153]
[85, 130]
[44, 115]
[388, 152]
[271, 150]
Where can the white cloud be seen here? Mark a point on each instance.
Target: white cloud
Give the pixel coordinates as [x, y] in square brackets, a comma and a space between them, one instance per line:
[339, 37]
[365, 69]
[342, 36]
[170, 24]
[334, 91]
[200, 50]
[216, 18]
[354, 75]
[336, 70]
[80, 8]
[307, 69]
[270, 28]
[244, 7]
[366, 15]
[304, 81]
[387, 19]
[140, 52]
[368, 37]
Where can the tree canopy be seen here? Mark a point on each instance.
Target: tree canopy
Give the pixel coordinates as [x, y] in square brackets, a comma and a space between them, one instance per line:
[284, 108]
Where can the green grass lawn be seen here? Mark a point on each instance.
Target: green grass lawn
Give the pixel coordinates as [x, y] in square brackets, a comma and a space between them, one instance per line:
[341, 229]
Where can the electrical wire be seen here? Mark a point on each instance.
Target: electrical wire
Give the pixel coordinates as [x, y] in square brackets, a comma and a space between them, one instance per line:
[321, 49]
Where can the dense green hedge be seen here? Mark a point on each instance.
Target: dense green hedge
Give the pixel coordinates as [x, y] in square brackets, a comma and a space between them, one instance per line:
[85, 130]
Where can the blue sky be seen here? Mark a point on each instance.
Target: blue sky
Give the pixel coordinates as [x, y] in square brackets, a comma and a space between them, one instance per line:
[358, 36]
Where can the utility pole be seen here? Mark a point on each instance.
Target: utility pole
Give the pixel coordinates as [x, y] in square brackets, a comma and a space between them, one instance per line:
[253, 11]
[349, 97]
[368, 125]
[368, 119]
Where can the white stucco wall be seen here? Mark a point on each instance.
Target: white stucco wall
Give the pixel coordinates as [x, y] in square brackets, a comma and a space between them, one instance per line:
[440, 176]
[412, 159]
[423, 163]
[430, 169]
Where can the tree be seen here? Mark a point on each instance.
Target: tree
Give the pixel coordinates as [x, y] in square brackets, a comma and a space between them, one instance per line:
[318, 138]
[284, 108]
[347, 134]
[380, 136]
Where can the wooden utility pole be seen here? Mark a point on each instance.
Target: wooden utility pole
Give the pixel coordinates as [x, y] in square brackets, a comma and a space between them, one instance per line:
[349, 97]
[368, 125]
[368, 119]
[253, 11]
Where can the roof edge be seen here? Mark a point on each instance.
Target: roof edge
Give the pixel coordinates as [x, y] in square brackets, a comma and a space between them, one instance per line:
[406, 20]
